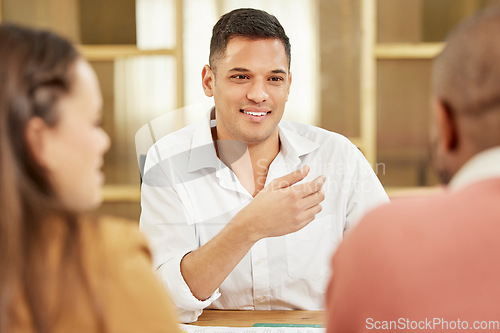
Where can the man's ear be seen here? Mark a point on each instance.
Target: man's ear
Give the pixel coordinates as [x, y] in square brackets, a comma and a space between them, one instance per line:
[446, 125]
[208, 81]
[36, 138]
[289, 84]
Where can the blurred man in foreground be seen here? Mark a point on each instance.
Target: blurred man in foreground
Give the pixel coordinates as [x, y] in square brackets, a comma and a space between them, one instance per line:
[431, 265]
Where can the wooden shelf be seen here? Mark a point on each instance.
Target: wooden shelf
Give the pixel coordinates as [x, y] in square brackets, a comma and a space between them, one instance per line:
[407, 51]
[111, 52]
[121, 193]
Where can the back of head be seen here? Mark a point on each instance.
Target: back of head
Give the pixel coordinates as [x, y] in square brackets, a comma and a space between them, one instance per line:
[247, 23]
[35, 70]
[467, 76]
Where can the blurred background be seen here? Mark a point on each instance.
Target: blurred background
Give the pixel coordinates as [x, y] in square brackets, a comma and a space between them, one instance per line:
[360, 68]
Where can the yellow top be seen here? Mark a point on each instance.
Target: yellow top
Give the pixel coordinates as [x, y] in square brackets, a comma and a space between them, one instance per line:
[117, 262]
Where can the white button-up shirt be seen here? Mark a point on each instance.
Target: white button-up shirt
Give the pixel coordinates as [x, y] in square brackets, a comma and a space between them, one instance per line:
[189, 195]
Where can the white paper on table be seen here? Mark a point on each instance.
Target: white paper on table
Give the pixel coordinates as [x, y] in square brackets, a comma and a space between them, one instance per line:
[213, 329]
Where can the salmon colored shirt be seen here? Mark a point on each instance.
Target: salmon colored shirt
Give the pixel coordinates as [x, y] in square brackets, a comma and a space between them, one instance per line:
[425, 264]
[117, 260]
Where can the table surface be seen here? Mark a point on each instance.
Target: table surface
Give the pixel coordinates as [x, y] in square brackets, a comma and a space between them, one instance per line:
[242, 318]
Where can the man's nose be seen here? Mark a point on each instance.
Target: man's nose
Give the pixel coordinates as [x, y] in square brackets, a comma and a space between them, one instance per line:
[258, 91]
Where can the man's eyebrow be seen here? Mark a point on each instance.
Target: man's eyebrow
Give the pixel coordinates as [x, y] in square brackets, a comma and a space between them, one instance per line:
[278, 71]
[239, 69]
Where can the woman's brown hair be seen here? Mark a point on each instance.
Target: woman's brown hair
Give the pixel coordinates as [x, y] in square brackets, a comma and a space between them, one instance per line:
[36, 68]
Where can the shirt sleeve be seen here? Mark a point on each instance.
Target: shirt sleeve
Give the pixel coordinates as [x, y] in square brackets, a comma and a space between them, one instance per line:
[171, 234]
[365, 192]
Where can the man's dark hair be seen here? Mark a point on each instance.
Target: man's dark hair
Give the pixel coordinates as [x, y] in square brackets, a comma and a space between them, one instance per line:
[248, 23]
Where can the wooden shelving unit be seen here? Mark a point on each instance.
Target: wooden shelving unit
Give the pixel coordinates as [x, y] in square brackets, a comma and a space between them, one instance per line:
[123, 193]
[113, 52]
[372, 53]
[117, 193]
[401, 51]
[368, 140]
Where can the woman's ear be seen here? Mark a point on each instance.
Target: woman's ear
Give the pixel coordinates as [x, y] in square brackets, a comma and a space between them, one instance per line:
[208, 80]
[36, 138]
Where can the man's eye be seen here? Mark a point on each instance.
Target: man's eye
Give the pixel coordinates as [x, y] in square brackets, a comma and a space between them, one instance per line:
[276, 79]
[240, 77]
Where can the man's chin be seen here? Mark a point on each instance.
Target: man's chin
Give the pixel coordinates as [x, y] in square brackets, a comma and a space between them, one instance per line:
[257, 139]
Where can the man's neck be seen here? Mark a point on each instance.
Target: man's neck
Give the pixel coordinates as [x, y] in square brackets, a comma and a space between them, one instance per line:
[261, 157]
[250, 163]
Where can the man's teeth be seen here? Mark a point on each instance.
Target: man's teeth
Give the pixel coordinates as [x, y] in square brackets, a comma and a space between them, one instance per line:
[258, 114]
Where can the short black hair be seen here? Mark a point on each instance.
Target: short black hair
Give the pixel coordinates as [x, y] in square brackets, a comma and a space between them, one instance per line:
[248, 23]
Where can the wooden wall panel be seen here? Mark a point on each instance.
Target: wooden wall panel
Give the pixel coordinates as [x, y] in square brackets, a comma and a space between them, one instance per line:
[61, 16]
[404, 121]
[439, 16]
[107, 22]
[339, 28]
[399, 21]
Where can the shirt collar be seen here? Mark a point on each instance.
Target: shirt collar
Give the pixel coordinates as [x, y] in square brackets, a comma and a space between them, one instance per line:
[294, 145]
[483, 166]
[203, 155]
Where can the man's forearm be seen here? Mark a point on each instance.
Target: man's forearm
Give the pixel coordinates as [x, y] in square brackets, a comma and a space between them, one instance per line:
[279, 209]
[206, 268]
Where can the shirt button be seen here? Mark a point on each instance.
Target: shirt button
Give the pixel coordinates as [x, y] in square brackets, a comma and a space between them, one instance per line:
[261, 298]
[258, 261]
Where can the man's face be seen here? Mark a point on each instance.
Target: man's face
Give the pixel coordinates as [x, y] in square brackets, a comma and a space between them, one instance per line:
[250, 86]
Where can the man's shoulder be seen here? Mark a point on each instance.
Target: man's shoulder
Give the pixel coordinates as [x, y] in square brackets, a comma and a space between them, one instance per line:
[421, 242]
[437, 214]
[183, 137]
[409, 209]
[442, 201]
[172, 144]
[392, 231]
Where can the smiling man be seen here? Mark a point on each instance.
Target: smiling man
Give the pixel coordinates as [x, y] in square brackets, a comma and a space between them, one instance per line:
[243, 210]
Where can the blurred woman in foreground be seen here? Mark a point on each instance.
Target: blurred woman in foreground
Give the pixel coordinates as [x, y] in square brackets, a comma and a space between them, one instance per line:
[60, 271]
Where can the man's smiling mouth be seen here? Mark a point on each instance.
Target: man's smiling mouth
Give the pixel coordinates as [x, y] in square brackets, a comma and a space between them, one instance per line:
[257, 114]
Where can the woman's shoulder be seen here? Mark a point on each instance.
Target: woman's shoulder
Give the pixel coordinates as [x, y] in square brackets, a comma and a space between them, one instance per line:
[120, 261]
[119, 231]
[114, 235]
